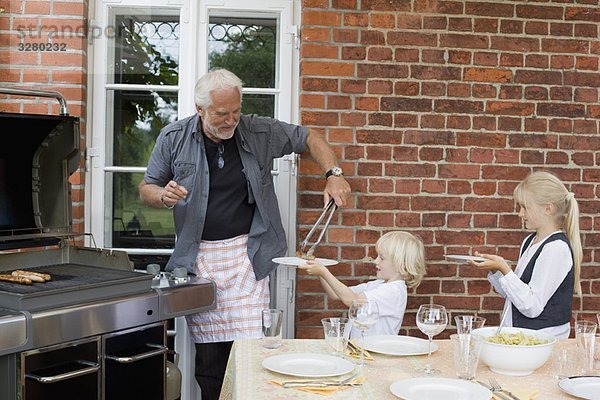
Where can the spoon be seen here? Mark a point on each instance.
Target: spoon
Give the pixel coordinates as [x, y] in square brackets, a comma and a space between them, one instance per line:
[504, 313]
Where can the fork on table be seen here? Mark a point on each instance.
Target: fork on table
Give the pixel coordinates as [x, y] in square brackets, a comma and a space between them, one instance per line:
[497, 388]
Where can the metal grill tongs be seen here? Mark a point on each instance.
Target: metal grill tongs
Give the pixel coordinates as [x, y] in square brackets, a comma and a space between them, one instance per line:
[330, 207]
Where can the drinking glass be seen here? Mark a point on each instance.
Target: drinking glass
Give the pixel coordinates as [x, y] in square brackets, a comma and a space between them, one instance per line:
[363, 315]
[336, 334]
[431, 320]
[465, 351]
[585, 334]
[271, 327]
[467, 323]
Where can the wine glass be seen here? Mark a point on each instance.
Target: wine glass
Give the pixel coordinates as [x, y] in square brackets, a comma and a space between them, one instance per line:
[363, 314]
[431, 320]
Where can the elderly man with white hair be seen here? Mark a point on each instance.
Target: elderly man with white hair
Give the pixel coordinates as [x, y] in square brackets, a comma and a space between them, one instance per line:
[214, 170]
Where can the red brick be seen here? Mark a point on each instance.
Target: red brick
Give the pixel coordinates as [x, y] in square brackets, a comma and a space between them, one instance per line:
[489, 9]
[323, 18]
[356, 19]
[459, 57]
[484, 91]
[460, 24]
[382, 71]
[536, 61]
[315, 34]
[345, 35]
[352, 86]
[434, 22]
[344, 4]
[406, 55]
[382, 20]
[517, 44]
[380, 54]
[313, 50]
[561, 29]
[319, 85]
[327, 68]
[385, 5]
[511, 60]
[536, 28]
[586, 63]
[509, 108]
[539, 12]
[381, 87]
[511, 26]
[464, 41]
[586, 30]
[591, 14]
[565, 46]
[510, 92]
[411, 39]
[488, 25]
[562, 62]
[586, 95]
[539, 77]
[434, 89]
[487, 75]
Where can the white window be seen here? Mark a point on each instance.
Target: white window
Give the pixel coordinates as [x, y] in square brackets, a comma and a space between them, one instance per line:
[145, 64]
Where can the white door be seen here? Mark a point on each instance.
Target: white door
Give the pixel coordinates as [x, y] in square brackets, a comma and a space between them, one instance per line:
[145, 57]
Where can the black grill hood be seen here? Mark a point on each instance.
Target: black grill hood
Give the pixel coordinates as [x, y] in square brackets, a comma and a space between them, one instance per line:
[38, 153]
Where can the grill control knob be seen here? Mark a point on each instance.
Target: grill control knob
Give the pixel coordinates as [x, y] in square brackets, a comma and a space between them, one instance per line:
[180, 272]
[153, 269]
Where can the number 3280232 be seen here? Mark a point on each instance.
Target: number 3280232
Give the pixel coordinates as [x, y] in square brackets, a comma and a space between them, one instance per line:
[42, 47]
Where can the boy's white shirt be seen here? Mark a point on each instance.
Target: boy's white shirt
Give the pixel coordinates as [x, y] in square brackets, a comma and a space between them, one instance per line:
[391, 298]
[530, 299]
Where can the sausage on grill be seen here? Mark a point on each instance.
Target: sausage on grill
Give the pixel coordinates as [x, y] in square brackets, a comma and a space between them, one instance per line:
[15, 279]
[34, 276]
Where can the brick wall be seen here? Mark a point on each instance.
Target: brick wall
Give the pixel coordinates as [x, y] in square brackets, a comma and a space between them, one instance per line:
[42, 46]
[437, 110]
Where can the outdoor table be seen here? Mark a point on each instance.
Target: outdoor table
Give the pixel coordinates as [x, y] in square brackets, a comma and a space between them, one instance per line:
[245, 378]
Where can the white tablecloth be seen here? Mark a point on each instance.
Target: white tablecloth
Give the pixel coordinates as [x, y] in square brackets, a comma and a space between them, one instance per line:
[246, 379]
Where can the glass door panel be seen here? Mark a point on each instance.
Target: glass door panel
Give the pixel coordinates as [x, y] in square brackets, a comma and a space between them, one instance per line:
[135, 225]
[145, 49]
[138, 118]
[245, 46]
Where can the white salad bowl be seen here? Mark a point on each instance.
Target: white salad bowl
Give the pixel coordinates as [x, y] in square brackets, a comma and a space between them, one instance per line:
[515, 360]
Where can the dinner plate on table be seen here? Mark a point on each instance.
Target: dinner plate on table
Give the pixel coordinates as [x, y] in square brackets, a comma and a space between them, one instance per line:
[395, 345]
[308, 365]
[462, 259]
[439, 389]
[295, 261]
[582, 387]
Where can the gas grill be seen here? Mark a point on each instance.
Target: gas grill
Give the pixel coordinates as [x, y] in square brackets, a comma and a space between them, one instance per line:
[97, 329]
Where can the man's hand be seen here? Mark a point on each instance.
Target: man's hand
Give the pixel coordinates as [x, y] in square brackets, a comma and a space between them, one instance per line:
[172, 193]
[338, 189]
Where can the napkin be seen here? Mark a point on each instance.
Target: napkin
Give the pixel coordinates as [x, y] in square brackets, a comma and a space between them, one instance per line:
[323, 390]
[521, 393]
[353, 350]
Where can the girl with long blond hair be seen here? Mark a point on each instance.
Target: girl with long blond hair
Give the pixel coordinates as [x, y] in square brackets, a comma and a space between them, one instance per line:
[539, 292]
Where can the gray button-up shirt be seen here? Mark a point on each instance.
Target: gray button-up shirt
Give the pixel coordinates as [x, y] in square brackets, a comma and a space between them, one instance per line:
[179, 155]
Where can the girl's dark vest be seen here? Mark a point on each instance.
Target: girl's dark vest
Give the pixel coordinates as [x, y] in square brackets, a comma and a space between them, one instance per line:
[558, 309]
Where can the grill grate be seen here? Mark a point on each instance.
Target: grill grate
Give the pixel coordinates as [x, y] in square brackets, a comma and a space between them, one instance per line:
[71, 284]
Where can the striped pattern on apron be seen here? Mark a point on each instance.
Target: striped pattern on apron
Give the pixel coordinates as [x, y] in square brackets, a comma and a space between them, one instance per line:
[240, 298]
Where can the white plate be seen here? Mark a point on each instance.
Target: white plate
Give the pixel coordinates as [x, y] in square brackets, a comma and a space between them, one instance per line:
[463, 259]
[398, 345]
[587, 387]
[308, 365]
[295, 261]
[439, 389]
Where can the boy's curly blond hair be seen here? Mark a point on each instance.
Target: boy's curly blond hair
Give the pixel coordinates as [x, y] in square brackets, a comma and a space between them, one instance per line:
[406, 252]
